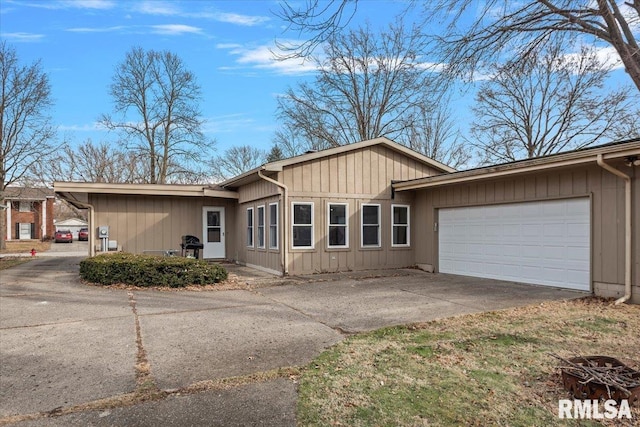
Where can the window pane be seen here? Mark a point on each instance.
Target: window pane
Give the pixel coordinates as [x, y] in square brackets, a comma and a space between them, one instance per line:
[273, 214]
[370, 235]
[261, 237]
[273, 236]
[213, 219]
[370, 215]
[213, 235]
[260, 216]
[400, 215]
[301, 236]
[250, 217]
[400, 235]
[337, 235]
[302, 214]
[337, 214]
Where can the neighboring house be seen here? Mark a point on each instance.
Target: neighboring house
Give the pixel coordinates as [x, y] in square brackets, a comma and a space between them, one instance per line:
[29, 213]
[559, 220]
[72, 224]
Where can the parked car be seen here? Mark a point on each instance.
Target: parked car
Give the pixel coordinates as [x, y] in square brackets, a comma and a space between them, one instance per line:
[83, 234]
[63, 236]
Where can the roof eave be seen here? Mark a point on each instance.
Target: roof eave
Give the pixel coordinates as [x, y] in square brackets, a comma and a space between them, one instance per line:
[533, 165]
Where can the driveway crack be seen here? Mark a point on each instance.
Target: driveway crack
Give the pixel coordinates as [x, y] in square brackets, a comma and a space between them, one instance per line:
[145, 383]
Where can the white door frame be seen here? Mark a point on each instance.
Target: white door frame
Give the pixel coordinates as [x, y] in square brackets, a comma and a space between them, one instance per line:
[216, 250]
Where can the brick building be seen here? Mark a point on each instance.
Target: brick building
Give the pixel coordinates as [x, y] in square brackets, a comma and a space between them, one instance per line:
[29, 213]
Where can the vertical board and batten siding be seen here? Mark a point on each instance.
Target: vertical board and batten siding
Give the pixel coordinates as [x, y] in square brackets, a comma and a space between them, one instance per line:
[606, 193]
[153, 223]
[259, 193]
[354, 177]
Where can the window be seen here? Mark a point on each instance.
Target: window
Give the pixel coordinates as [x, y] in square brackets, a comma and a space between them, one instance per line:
[338, 228]
[399, 225]
[250, 227]
[302, 226]
[25, 207]
[261, 227]
[370, 226]
[273, 226]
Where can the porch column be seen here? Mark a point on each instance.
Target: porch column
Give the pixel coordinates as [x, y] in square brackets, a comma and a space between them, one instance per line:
[9, 225]
[43, 217]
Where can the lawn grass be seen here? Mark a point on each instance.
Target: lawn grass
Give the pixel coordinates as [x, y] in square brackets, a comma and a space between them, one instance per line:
[22, 246]
[9, 262]
[474, 370]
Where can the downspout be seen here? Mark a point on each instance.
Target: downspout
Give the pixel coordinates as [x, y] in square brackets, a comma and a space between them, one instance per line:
[285, 222]
[627, 226]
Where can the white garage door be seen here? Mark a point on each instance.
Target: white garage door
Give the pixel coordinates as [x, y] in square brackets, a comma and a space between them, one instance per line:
[545, 243]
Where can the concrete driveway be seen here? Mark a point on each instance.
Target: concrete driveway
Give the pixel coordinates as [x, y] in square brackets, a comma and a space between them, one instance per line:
[73, 354]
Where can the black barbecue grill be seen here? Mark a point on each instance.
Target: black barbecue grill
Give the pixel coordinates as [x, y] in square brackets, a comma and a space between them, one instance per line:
[191, 243]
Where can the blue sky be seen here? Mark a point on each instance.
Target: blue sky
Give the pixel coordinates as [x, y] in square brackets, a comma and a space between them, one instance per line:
[226, 44]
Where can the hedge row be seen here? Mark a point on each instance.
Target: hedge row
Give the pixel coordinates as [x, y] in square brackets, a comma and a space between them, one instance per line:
[147, 270]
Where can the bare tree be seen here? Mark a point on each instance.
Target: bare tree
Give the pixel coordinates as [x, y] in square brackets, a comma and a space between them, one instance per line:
[482, 33]
[26, 133]
[235, 161]
[435, 135]
[157, 100]
[546, 103]
[368, 86]
[90, 162]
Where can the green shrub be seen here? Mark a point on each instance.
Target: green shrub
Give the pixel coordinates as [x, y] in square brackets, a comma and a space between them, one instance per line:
[147, 270]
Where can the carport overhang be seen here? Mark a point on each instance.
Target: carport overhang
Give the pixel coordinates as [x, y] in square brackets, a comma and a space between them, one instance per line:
[626, 152]
[77, 194]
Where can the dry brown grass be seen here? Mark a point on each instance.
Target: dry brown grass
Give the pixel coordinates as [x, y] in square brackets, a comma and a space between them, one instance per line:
[483, 369]
[24, 246]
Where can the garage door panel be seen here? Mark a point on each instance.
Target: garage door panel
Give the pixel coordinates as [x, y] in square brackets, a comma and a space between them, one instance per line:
[544, 243]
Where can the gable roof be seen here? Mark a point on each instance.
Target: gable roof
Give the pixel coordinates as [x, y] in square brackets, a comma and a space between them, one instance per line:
[279, 165]
[28, 193]
[615, 150]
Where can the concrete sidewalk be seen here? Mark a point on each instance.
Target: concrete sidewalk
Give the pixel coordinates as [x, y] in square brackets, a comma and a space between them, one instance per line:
[204, 358]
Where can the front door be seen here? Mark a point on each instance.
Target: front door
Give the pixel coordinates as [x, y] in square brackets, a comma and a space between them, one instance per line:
[213, 232]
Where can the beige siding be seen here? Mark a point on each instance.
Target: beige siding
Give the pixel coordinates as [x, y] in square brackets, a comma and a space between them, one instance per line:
[150, 223]
[266, 258]
[354, 178]
[607, 215]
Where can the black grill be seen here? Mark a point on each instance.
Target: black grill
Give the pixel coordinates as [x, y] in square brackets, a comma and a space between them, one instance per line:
[191, 243]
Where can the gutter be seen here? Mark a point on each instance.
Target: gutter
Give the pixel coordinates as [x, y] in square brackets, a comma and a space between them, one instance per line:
[627, 226]
[285, 222]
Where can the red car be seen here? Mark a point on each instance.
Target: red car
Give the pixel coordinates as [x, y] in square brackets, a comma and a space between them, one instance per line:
[83, 234]
[63, 236]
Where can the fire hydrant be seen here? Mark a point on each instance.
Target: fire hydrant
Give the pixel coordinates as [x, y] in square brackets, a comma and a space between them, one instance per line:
[33, 252]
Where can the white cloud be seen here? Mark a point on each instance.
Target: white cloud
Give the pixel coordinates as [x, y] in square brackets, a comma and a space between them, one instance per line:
[244, 20]
[164, 8]
[23, 37]
[227, 123]
[88, 127]
[95, 30]
[176, 29]
[157, 8]
[73, 4]
[263, 58]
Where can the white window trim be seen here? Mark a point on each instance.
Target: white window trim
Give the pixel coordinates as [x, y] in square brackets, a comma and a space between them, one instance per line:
[276, 225]
[293, 204]
[362, 245]
[408, 225]
[264, 237]
[250, 226]
[346, 225]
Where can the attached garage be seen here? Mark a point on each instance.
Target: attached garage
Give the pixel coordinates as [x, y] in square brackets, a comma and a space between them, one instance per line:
[567, 220]
[544, 243]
